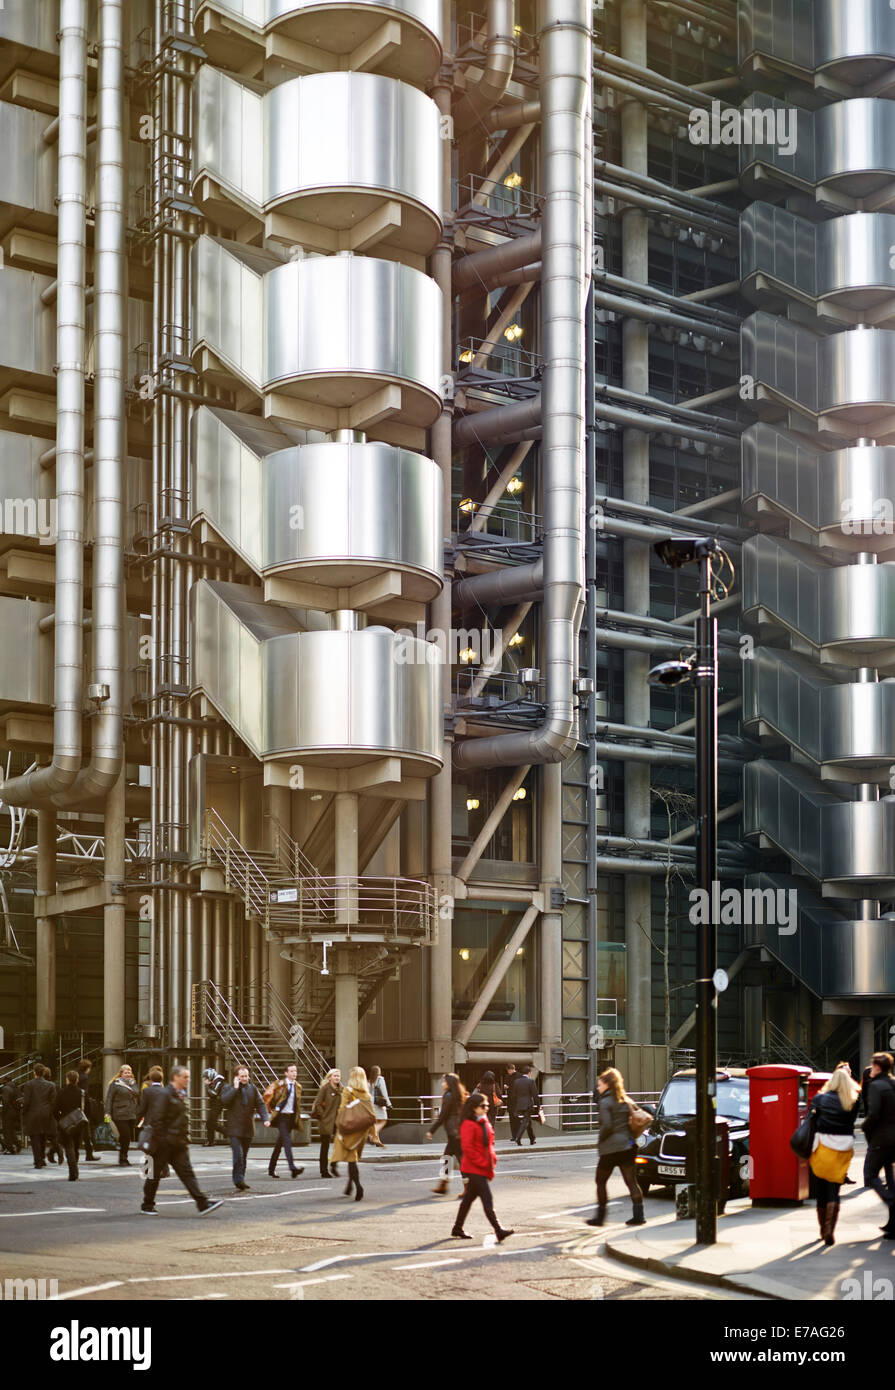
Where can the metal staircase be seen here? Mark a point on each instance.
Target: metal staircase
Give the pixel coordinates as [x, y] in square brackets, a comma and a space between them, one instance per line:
[263, 1035]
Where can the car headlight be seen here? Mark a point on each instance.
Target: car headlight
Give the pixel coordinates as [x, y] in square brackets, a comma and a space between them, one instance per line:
[642, 1139]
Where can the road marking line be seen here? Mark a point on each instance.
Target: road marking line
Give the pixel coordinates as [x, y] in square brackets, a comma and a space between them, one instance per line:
[56, 1211]
[430, 1264]
[529, 1250]
[286, 1192]
[370, 1255]
[91, 1288]
[227, 1274]
[306, 1283]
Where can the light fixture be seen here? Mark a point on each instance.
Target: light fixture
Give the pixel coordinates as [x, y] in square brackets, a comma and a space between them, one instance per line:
[467, 505]
[516, 640]
[513, 333]
[670, 673]
[514, 485]
[464, 953]
[513, 180]
[519, 795]
[466, 355]
[316, 796]
[468, 654]
[472, 803]
[521, 951]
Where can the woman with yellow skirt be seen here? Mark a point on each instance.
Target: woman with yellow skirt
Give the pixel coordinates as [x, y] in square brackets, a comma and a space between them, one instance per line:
[834, 1146]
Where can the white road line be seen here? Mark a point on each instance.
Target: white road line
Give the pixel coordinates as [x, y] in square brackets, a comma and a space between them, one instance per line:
[91, 1288]
[227, 1274]
[285, 1192]
[56, 1211]
[306, 1283]
[527, 1250]
[430, 1264]
[371, 1255]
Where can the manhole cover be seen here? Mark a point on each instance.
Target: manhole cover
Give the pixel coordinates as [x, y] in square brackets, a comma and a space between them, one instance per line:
[524, 1177]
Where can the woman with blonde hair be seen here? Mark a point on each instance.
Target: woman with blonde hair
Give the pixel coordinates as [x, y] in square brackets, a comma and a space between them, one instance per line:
[354, 1123]
[835, 1108]
[121, 1109]
[615, 1145]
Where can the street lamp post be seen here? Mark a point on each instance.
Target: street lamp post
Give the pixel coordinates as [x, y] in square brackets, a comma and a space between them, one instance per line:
[702, 670]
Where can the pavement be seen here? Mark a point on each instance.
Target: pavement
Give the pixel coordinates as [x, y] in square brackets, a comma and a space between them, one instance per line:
[773, 1252]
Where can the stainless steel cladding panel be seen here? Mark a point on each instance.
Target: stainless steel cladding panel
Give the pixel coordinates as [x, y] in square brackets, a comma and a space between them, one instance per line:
[227, 307]
[854, 136]
[847, 255]
[780, 245]
[28, 679]
[352, 130]
[781, 356]
[846, 29]
[30, 25]
[228, 133]
[783, 31]
[425, 12]
[847, 493]
[352, 314]
[858, 958]
[856, 368]
[29, 165]
[28, 341]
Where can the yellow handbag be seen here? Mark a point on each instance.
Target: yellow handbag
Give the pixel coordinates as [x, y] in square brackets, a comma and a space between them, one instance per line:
[831, 1164]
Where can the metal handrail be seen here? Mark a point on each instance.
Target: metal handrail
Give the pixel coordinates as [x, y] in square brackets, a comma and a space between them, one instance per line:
[236, 1037]
[568, 1110]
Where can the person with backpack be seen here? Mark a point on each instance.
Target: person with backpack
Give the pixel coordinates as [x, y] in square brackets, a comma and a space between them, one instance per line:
[615, 1145]
[879, 1131]
[381, 1104]
[477, 1166]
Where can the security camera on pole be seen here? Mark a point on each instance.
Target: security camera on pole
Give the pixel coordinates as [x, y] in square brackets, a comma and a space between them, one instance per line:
[702, 669]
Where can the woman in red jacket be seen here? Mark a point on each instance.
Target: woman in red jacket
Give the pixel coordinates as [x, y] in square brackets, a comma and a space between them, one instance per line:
[477, 1164]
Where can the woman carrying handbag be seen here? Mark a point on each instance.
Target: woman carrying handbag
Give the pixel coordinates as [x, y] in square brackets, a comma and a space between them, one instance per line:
[121, 1108]
[69, 1119]
[381, 1104]
[453, 1097]
[354, 1123]
[615, 1145]
[834, 1109]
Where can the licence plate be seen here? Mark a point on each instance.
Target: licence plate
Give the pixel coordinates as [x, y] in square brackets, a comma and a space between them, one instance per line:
[670, 1170]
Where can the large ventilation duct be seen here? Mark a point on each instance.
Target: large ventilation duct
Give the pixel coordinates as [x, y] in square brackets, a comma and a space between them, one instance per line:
[44, 782]
[565, 104]
[491, 86]
[110, 298]
[486, 267]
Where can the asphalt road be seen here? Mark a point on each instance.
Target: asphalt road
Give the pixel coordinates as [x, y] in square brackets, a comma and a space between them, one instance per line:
[302, 1239]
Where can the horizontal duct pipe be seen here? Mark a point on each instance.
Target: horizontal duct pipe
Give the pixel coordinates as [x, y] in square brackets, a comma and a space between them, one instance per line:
[680, 630]
[482, 266]
[499, 425]
[612, 864]
[715, 212]
[657, 314]
[508, 585]
[660, 847]
[689, 523]
[682, 412]
[653, 79]
[703, 222]
[671, 757]
[641, 92]
[655, 646]
[722, 317]
[516, 114]
[655, 424]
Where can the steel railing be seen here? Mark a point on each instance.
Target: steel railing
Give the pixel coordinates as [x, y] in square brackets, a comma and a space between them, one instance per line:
[571, 1110]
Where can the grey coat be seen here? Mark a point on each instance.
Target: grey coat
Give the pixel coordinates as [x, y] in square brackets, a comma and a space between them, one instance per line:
[615, 1134]
[121, 1100]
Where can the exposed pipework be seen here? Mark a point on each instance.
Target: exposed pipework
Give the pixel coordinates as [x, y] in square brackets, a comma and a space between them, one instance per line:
[110, 288]
[486, 266]
[500, 46]
[41, 783]
[565, 47]
[509, 117]
[500, 425]
[507, 585]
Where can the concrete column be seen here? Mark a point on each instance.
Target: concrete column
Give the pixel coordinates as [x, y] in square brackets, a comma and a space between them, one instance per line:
[865, 1039]
[45, 932]
[635, 377]
[113, 934]
[345, 979]
[278, 804]
[346, 855]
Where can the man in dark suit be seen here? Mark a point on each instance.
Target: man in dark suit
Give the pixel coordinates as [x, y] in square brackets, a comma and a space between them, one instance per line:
[527, 1100]
[286, 1101]
[166, 1110]
[38, 1104]
[88, 1105]
[509, 1096]
[242, 1102]
[879, 1131]
[12, 1117]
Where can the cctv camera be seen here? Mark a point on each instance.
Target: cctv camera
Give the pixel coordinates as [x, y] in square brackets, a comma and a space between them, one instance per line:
[675, 551]
[670, 673]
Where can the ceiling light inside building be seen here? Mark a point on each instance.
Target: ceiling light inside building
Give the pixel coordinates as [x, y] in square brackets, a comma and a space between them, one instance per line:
[517, 639]
[464, 953]
[513, 180]
[514, 485]
[468, 654]
[472, 803]
[519, 795]
[467, 505]
[466, 355]
[513, 333]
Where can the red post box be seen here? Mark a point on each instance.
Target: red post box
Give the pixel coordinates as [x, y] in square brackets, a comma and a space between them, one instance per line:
[816, 1082]
[776, 1105]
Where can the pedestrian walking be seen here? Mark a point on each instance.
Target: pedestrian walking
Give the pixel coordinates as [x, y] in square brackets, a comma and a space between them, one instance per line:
[169, 1143]
[69, 1120]
[325, 1109]
[285, 1109]
[121, 1108]
[615, 1145]
[355, 1122]
[477, 1165]
[88, 1105]
[509, 1098]
[53, 1148]
[38, 1104]
[487, 1087]
[879, 1130]
[213, 1107]
[844, 1066]
[11, 1099]
[381, 1104]
[835, 1107]
[242, 1102]
[527, 1103]
[150, 1106]
[453, 1097]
